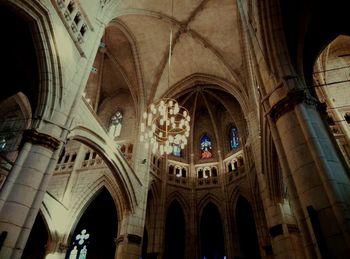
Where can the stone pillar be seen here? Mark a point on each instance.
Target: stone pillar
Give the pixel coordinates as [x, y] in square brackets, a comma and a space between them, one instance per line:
[320, 180]
[23, 192]
[129, 242]
[131, 228]
[289, 236]
[191, 249]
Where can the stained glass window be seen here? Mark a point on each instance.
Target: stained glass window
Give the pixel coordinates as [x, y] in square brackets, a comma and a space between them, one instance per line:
[206, 147]
[79, 250]
[234, 141]
[176, 150]
[2, 143]
[115, 126]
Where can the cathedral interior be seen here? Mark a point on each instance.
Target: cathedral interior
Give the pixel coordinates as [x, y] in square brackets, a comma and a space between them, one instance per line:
[250, 154]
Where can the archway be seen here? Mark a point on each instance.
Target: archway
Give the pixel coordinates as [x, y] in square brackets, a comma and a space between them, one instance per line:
[37, 241]
[100, 224]
[331, 81]
[211, 233]
[20, 81]
[247, 236]
[175, 236]
[18, 63]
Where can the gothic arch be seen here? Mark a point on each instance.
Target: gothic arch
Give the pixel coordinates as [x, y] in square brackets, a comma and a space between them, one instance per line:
[126, 178]
[50, 76]
[39, 240]
[140, 98]
[89, 196]
[205, 200]
[176, 195]
[237, 193]
[199, 79]
[211, 229]
[247, 231]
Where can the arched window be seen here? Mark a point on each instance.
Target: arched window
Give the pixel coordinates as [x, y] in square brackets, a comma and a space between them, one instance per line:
[176, 150]
[206, 147]
[171, 169]
[214, 172]
[115, 125]
[79, 250]
[2, 143]
[200, 173]
[183, 172]
[234, 141]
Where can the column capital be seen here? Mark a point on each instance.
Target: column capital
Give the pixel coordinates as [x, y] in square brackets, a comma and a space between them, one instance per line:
[41, 139]
[292, 99]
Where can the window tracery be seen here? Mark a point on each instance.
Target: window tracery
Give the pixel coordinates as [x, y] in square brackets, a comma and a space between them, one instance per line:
[79, 250]
[115, 125]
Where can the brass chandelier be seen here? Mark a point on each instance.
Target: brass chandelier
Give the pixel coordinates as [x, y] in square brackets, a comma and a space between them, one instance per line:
[165, 126]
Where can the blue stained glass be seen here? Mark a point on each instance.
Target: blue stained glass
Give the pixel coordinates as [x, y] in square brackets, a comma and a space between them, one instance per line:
[176, 150]
[206, 147]
[234, 141]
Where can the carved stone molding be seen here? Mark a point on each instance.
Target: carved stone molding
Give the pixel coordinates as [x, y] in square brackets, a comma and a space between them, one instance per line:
[136, 239]
[288, 103]
[293, 228]
[62, 247]
[119, 239]
[41, 139]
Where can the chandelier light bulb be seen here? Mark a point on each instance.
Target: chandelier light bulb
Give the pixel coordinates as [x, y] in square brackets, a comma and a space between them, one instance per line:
[165, 125]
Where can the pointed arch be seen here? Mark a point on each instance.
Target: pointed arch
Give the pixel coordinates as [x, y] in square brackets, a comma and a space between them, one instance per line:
[239, 192]
[127, 180]
[175, 231]
[141, 97]
[50, 75]
[246, 229]
[212, 234]
[98, 218]
[38, 240]
[89, 196]
[199, 79]
[205, 200]
[179, 197]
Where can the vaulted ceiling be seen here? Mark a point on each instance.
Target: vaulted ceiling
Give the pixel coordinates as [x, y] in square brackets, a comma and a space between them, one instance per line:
[205, 40]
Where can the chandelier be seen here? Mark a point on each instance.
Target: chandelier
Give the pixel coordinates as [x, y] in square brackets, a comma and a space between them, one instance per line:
[165, 126]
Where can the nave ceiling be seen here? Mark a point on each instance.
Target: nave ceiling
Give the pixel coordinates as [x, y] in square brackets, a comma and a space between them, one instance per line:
[206, 41]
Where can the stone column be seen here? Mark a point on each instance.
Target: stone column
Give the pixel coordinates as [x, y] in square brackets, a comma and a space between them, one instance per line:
[24, 190]
[131, 228]
[320, 180]
[129, 242]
